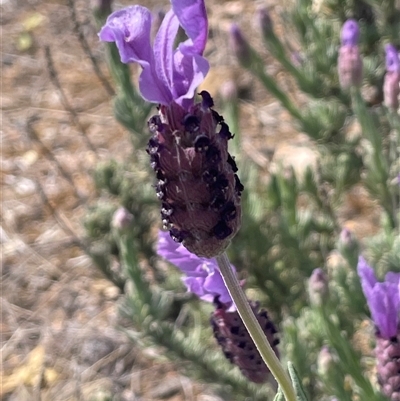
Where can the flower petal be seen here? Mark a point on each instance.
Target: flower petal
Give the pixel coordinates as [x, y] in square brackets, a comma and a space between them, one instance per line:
[384, 305]
[189, 73]
[392, 59]
[367, 276]
[193, 18]
[130, 29]
[350, 33]
[163, 49]
[383, 298]
[215, 285]
[176, 253]
[203, 276]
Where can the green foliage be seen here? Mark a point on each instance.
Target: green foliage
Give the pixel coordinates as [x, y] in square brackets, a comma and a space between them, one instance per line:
[291, 221]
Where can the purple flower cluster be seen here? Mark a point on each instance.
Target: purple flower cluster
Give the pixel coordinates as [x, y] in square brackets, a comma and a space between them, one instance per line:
[202, 276]
[168, 74]
[383, 298]
[349, 61]
[391, 84]
[384, 303]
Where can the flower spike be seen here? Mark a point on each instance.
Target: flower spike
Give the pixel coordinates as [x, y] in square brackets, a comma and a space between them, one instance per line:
[384, 303]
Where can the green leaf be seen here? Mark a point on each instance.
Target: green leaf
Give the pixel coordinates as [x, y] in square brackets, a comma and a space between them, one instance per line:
[279, 396]
[300, 395]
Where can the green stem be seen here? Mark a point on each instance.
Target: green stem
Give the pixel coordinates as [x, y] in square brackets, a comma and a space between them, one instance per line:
[253, 327]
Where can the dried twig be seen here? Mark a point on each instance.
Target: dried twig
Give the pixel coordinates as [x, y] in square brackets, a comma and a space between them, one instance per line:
[64, 99]
[86, 48]
[50, 156]
[60, 221]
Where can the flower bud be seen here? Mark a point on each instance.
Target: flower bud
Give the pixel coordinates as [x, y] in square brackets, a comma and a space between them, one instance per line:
[197, 184]
[348, 246]
[350, 33]
[349, 61]
[122, 219]
[318, 287]
[240, 46]
[325, 361]
[228, 91]
[265, 22]
[237, 344]
[391, 84]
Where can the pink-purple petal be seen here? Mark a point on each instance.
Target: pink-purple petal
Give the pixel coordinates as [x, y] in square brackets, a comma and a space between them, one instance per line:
[214, 284]
[169, 74]
[350, 33]
[392, 59]
[189, 73]
[383, 298]
[130, 29]
[203, 277]
[384, 306]
[193, 19]
[163, 48]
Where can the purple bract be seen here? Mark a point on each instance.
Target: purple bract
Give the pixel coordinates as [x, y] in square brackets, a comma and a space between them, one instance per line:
[392, 59]
[169, 74]
[383, 298]
[350, 33]
[203, 277]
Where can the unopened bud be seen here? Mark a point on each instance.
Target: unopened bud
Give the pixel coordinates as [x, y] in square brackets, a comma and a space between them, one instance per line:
[240, 46]
[228, 91]
[349, 61]
[318, 287]
[350, 33]
[122, 219]
[391, 84]
[265, 22]
[325, 361]
[348, 246]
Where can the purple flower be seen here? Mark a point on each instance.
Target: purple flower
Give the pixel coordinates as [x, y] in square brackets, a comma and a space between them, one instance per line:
[392, 59]
[349, 60]
[391, 84]
[203, 277]
[169, 75]
[350, 33]
[383, 298]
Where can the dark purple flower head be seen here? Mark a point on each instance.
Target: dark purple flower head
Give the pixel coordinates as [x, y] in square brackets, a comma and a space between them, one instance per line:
[392, 59]
[350, 33]
[203, 277]
[236, 343]
[383, 298]
[169, 74]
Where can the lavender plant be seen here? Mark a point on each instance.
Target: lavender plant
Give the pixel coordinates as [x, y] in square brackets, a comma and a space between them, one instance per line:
[280, 245]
